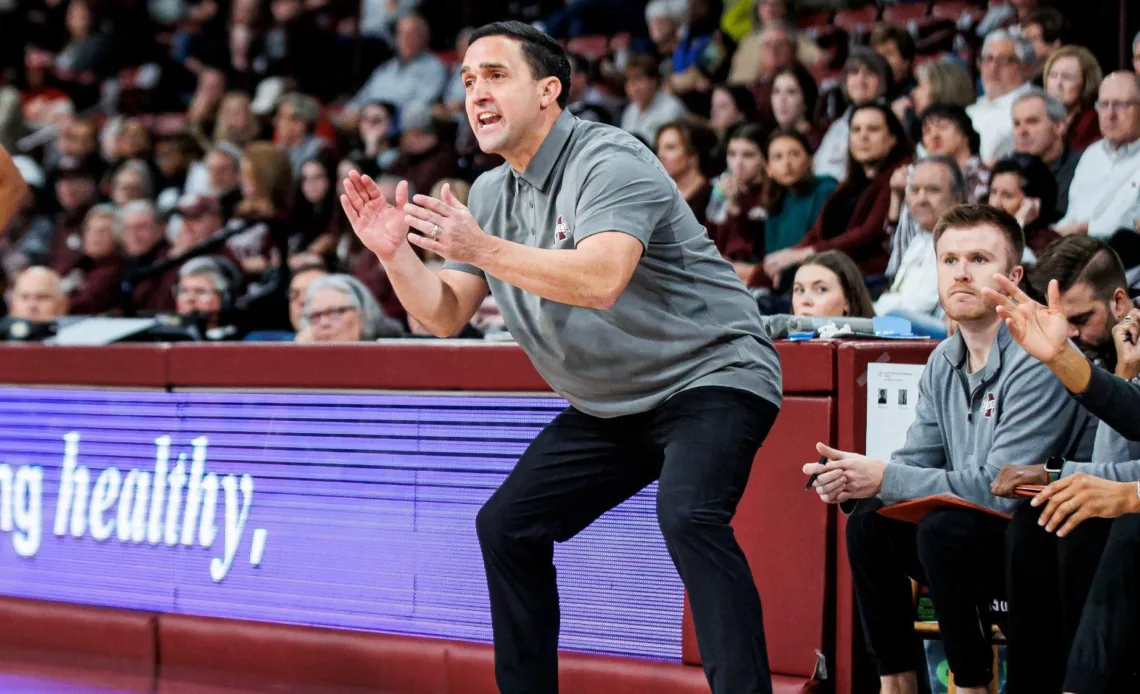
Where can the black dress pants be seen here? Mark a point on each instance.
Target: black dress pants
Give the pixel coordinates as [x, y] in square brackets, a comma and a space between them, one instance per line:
[700, 445]
[958, 555]
[1047, 580]
[1105, 657]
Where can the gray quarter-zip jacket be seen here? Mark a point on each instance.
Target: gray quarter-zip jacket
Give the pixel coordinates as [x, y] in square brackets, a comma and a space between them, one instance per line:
[1018, 413]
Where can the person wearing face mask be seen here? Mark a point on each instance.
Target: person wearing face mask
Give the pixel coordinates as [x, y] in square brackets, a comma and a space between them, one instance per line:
[866, 77]
[794, 96]
[338, 308]
[794, 195]
[853, 218]
[829, 284]
[736, 213]
[934, 188]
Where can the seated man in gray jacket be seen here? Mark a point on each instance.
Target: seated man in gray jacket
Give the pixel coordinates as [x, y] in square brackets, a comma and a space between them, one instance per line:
[1103, 654]
[982, 403]
[1042, 569]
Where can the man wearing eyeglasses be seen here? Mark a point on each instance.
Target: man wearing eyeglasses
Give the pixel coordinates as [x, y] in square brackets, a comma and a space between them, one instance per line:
[1104, 198]
[1006, 65]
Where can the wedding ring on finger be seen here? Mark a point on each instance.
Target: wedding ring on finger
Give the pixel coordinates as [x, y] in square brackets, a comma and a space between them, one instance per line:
[1072, 506]
[435, 231]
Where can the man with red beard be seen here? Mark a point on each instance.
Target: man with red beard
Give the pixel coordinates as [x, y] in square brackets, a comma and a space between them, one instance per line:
[983, 403]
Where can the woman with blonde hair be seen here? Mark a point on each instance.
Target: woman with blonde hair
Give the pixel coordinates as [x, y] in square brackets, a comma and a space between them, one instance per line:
[1073, 76]
[938, 82]
[235, 123]
[267, 199]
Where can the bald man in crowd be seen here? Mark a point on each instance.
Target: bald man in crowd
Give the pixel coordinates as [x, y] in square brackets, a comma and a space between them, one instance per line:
[37, 296]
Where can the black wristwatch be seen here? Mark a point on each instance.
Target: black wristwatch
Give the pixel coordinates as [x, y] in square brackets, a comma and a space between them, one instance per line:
[1053, 468]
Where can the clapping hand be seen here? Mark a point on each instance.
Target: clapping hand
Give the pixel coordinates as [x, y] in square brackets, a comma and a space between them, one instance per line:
[379, 225]
[448, 228]
[1042, 331]
[1126, 335]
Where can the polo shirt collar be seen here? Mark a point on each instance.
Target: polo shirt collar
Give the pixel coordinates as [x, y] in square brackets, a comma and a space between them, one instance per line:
[1124, 151]
[957, 354]
[538, 171]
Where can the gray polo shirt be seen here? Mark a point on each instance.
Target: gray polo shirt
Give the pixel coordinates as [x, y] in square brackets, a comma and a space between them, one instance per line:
[685, 319]
[967, 427]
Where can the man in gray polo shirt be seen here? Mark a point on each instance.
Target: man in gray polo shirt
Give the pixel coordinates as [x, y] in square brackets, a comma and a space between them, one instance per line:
[616, 293]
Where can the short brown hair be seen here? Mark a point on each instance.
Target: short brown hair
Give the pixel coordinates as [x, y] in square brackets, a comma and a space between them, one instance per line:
[1072, 260]
[642, 65]
[889, 33]
[970, 216]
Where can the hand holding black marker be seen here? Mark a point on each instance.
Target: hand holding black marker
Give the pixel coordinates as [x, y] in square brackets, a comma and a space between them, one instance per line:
[812, 479]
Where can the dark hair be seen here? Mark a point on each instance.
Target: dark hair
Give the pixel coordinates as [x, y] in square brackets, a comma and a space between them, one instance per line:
[970, 216]
[774, 193]
[697, 136]
[1072, 260]
[859, 304]
[899, 152]
[959, 118]
[742, 97]
[1054, 25]
[889, 33]
[645, 64]
[807, 84]
[747, 131]
[578, 62]
[957, 180]
[543, 55]
[865, 57]
[1036, 181]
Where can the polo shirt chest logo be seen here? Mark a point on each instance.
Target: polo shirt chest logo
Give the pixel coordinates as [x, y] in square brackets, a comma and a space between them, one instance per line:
[989, 405]
[560, 230]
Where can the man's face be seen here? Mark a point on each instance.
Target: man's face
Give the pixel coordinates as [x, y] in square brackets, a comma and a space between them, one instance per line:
[777, 51]
[170, 158]
[942, 136]
[1033, 132]
[504, 101]
[140, 233]
[1090, 320]
[1119, 108]
[410, 38]
[196, 294]
[77, 140]
[197, 228]
[894, 57]
[297, 288]
[222, 172]
[640, 88]
[1041, 49]
[928, 193]
[967, 261]
[37, 297]
[1002, 72]
[663, 31]
[99, 236]
[75, 192]
[127, 186]
[289, 129]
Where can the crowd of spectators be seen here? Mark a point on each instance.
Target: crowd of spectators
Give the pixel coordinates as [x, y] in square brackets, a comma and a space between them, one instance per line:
[185, 156]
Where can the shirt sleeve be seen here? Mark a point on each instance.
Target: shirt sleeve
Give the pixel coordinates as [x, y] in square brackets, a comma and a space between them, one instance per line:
[622, 191]
[1114, 401]
[1038, 421]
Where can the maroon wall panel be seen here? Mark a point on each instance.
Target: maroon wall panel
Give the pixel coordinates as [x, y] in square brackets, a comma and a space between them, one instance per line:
[808, 367]
[116, 365]
[854, 673]
[783, 531]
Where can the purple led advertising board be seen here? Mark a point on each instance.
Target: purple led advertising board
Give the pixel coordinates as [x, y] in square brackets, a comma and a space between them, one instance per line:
[342, 510]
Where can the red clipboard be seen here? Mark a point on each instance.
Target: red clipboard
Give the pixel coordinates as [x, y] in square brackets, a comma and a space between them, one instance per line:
[1028, 490]
[916, 510]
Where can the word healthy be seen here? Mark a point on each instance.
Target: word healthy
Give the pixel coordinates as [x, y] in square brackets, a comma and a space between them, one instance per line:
[168, 505]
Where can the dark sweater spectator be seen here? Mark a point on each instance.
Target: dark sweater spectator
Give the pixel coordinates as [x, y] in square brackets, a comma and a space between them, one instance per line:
[682, 146]
[853, 218]
[75, 189]
[1023, 186]
[1073, 77]
[316, 205]
[144, 245]
[1039, 122]
[90, 279]
[424, 157]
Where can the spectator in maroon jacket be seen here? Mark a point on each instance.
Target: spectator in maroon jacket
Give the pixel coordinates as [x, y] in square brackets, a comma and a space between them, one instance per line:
[852, 219]
[91, 279]
[75, 190]
[144, 245]
[736, 213]
[1073, 77]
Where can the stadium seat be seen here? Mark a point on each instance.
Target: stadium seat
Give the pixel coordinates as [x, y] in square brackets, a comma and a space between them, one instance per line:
[857, 20]
[815, 19]
[902, 14]
[954, 10]
[592, 47]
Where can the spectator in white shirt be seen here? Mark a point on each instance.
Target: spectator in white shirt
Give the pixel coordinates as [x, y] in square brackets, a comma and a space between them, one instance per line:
[650, 106]
[413, 77]
[866, 77]
[1105, 195]
[1006, 65]
[935, 186]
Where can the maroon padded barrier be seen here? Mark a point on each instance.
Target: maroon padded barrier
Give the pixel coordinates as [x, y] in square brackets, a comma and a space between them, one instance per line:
[783, 530]
[121, 365]
[121, 642]
[853, 669]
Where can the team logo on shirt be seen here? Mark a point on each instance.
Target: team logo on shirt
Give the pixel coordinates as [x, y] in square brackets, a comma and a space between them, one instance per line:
[560, 229]
[989, 405]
